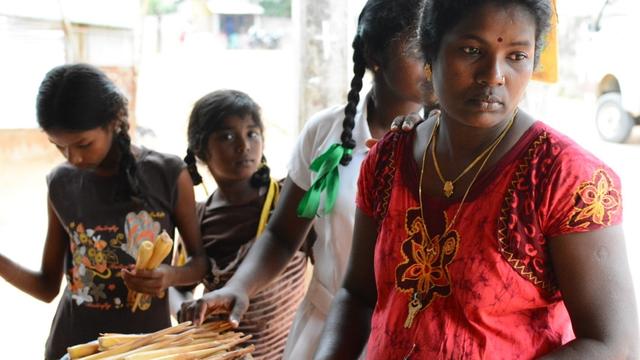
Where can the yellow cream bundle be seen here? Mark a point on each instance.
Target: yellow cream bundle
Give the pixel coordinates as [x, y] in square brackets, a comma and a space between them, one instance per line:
[150, 256]
[210, 341]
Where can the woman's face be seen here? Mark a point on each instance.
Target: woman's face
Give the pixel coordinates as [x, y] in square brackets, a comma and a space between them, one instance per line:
[484, 64]
[84, 149]
[234, 151]
[402, 72]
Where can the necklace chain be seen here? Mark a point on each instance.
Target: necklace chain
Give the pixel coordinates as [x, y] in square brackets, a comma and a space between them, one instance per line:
[415, 304]
[491, 149]
[448, 187]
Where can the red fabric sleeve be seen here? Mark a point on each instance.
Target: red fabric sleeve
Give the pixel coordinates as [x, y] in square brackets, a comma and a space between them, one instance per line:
[582, 194]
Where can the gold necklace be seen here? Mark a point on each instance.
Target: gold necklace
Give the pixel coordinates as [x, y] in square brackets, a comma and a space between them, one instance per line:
[447, 187]
[415, 304]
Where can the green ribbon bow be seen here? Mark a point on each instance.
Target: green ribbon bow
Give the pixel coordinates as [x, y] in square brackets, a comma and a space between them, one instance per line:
[326, 165]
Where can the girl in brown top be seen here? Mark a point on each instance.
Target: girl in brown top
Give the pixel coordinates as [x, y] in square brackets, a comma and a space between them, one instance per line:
[226, 132]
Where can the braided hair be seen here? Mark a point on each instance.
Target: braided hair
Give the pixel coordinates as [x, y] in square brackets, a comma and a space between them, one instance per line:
[380, 22]
[207, 116]
[80, 97]
[439, 16]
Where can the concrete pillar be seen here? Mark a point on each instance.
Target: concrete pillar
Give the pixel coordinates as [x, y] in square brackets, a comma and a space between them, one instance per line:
[324, 51]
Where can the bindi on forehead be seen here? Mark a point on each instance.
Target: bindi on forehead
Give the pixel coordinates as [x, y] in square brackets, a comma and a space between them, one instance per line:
[500, 39]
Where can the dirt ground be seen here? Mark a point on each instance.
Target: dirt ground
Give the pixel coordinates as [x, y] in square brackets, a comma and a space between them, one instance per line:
[165, 109]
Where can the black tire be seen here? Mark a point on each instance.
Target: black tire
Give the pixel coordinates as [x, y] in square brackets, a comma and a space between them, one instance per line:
[613, 122]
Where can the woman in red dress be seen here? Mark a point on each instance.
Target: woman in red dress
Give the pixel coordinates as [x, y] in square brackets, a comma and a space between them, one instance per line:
[485, 234]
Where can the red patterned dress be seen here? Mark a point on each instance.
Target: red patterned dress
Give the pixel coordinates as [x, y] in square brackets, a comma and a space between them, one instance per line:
[486, 287]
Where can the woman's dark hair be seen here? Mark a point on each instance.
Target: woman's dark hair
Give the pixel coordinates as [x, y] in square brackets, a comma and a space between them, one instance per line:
[440, 16]
[207, 116]
[379, 23]
[80, 97]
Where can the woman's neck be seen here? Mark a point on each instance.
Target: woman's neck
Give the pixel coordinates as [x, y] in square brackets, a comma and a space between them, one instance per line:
[236, 192]
[383, 107]
[457, 141]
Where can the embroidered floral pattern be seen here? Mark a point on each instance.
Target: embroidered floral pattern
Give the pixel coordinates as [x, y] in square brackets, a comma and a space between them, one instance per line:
[426, 260]
[596, 202]
[384, 173]
[520, 238]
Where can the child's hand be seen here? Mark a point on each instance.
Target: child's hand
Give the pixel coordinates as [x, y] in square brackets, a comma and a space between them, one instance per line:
[152, 282]
[406, 122]
[226, 300]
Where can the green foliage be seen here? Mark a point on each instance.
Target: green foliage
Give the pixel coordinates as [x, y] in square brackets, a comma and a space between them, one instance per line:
[280, 8]
[162, 7]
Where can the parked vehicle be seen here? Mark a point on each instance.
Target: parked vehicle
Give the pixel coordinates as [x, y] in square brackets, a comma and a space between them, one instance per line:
[614, 68]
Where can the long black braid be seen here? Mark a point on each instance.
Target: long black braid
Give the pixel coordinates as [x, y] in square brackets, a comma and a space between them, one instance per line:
[379, 23]
[128, 170]
[353, 98]
[207, 116]
[80, 97]
[192, 167]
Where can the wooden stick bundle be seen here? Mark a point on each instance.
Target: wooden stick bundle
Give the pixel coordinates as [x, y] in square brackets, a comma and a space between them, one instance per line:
[150, 256]
[180, 342]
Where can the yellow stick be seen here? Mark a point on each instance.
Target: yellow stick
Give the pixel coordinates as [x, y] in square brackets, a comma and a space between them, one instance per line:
[111, 340]
[145, 251]
[235, 354]
[81, 350]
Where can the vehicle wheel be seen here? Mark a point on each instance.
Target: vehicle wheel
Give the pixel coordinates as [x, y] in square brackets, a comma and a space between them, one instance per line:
[614, 123]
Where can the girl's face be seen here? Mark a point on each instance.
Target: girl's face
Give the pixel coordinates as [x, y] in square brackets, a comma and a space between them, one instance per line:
[401, 72]
[84, 149]
[234, 151]
[484, 64]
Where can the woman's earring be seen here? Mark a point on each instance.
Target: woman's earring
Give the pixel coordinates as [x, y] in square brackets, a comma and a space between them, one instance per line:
[427, 72]
[376, 68]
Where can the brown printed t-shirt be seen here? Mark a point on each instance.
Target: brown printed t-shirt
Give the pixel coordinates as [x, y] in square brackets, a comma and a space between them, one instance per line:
[104, 235]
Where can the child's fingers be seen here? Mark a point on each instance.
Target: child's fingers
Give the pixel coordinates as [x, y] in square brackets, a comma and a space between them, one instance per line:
[239, 308]
[370, 142]
[397, 123]
[195, 311]
[410, 121]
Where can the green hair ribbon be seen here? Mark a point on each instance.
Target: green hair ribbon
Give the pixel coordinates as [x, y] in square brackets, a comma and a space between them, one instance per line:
[326, 165]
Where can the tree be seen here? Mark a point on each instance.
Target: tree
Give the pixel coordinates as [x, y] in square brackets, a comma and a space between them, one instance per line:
[158, 8]
[279, 8]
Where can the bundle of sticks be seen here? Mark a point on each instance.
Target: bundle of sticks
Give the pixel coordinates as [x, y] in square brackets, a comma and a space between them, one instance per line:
[150, 256]
[211, 341]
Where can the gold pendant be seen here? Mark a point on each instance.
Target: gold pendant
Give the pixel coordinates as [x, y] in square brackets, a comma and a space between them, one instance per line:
[448, 188]
[414, 307]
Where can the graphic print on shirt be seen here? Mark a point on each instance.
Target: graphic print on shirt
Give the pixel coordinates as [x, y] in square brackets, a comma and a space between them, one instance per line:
[424, 272]
[99, 254]
[596, 202]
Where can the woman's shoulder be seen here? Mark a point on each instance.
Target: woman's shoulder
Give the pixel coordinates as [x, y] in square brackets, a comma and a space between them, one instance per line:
[561, 148]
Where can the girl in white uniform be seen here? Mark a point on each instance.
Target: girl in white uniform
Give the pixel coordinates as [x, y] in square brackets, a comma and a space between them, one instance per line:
[320, 188]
